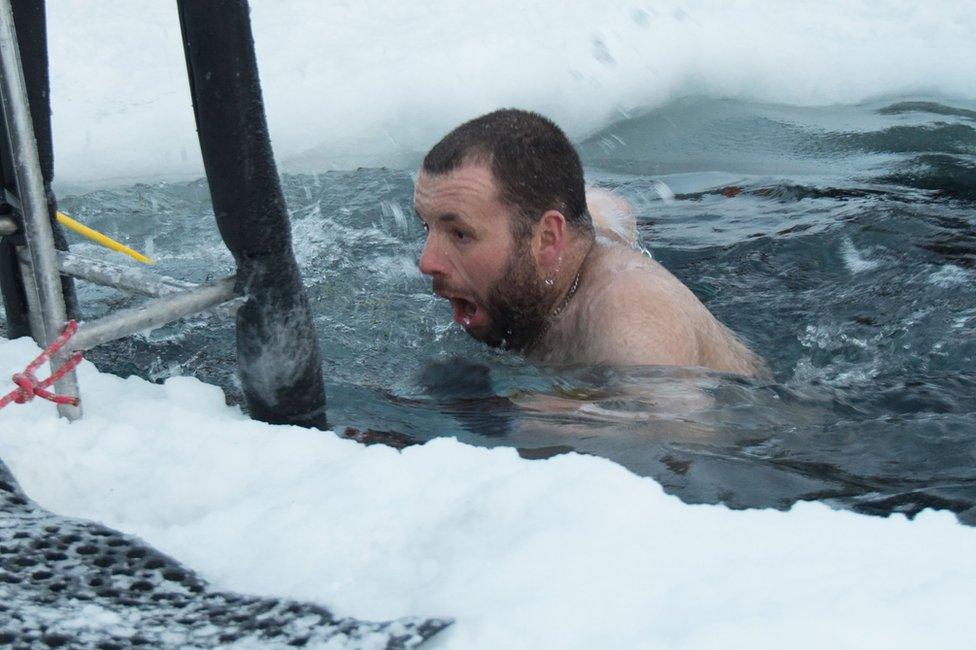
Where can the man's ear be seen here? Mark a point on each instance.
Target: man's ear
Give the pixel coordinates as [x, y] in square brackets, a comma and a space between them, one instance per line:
[551, 239]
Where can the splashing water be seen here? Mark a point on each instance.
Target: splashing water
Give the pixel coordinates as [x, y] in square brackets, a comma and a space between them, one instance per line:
[845, 257]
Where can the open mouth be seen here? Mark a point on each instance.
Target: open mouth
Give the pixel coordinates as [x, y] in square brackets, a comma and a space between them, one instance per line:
[466, 312]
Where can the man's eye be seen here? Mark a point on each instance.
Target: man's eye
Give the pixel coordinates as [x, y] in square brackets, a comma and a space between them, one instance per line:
[460, 234]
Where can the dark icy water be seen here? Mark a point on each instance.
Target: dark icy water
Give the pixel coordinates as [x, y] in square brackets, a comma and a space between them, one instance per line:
[840, 242]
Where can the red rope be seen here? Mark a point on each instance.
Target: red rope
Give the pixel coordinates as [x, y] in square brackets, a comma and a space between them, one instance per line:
[29, 386]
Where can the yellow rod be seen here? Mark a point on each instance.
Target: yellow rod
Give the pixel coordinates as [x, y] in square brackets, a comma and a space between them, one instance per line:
[99, 238]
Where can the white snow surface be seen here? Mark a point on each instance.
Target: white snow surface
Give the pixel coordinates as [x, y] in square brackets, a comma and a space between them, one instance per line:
[570, 552]
[351, 83]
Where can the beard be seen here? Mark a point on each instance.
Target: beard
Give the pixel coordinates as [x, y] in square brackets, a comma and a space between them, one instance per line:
[517, 304]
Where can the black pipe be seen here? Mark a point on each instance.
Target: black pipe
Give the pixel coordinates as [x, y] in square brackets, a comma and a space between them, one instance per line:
[12, 284]
[277, 350]
[30, 22]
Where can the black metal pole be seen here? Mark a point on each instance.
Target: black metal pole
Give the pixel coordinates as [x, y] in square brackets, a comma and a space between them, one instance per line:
[12, 285]
[31, 25]
[277, 350]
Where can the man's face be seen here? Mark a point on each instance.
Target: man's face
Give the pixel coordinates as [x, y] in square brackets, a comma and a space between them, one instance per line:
[490, 279]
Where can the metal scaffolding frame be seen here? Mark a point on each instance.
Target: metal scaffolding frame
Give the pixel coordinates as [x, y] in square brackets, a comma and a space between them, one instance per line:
[45, 294]
[266, 293]
[41, 266]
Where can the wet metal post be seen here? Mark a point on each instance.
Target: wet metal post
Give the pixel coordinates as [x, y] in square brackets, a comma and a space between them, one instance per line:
[23, 313]
[30, 186]
[278, 357]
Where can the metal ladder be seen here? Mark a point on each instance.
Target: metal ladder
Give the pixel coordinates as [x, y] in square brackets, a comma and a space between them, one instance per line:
[41, 265]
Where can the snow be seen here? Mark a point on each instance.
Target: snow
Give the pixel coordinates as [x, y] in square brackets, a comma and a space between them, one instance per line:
[352, 83]
[570, 552]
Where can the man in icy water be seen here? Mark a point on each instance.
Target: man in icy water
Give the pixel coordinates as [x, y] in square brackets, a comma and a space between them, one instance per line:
[512, 245]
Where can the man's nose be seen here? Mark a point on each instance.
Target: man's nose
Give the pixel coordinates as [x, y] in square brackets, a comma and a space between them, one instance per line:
[431, 260]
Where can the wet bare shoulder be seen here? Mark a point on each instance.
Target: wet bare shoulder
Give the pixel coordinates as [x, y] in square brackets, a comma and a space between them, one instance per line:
[641, 314]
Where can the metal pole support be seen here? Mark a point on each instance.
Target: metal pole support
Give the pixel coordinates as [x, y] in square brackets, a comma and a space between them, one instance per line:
[30, 187]
[153, 314]
[278, 357]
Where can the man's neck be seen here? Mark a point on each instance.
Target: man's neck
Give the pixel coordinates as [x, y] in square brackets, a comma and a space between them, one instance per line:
[567, 279]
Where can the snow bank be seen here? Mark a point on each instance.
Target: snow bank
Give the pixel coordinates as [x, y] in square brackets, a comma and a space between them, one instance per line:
[571, 552]
[351, 84]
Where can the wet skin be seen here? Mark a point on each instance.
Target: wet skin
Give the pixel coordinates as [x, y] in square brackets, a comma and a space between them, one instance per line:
[627, 309]
[468, 241]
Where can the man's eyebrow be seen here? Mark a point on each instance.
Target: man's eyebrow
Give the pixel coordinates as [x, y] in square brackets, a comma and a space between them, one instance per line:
[447, 217]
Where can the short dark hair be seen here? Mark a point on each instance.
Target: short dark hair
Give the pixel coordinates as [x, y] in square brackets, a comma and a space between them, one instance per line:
[531, 159]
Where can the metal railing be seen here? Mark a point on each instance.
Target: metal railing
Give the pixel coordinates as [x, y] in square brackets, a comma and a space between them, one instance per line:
[45, 294]
[42, 265]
